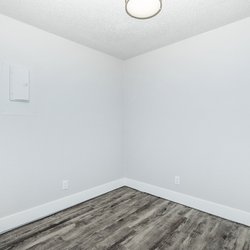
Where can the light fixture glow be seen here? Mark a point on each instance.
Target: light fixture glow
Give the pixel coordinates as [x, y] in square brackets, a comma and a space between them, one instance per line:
[143, 9]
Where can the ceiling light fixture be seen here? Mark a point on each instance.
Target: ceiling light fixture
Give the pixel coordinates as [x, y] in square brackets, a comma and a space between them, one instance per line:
[143, 9]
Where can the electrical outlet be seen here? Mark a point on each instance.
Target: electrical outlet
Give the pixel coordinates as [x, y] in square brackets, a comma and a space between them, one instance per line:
[177, 180]
[65, 184]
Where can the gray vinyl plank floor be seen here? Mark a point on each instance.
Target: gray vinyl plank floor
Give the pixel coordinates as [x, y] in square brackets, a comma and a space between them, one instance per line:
[127, 219]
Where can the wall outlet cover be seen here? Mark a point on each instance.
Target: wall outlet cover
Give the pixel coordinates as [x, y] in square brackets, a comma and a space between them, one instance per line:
[65, 184]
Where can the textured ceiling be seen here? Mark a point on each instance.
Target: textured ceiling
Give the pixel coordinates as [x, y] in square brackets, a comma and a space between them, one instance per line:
[104, 25]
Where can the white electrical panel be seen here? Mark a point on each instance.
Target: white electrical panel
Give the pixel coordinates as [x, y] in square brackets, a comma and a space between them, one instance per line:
[19, 80]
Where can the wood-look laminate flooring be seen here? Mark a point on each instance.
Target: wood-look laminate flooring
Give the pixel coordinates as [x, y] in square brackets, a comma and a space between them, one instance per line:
[131, 220]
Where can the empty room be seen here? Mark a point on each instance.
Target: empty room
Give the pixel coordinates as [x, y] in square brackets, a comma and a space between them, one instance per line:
[125, 124]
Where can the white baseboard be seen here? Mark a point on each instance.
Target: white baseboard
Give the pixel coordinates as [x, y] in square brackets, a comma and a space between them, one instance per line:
[36, 213]
[222, 211]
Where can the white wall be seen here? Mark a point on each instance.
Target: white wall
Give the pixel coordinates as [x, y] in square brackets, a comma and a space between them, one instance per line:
[185, 112]
[188, 114]
[71, 129]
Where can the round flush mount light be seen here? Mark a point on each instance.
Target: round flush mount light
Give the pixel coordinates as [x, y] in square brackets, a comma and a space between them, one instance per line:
[143, 9]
